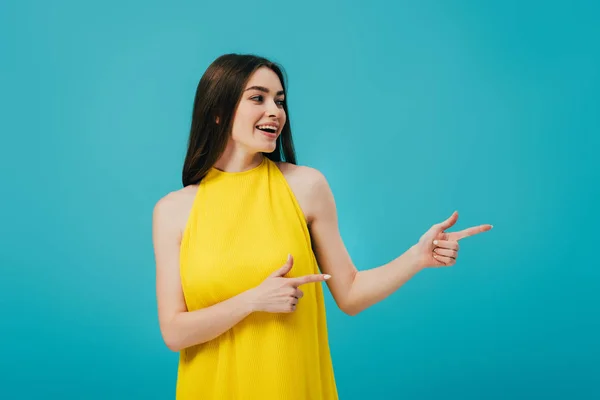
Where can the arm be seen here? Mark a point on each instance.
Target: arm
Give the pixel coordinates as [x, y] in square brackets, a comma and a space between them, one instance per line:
[180, 328]
[373, 285]
[355, 291]
[352, 290]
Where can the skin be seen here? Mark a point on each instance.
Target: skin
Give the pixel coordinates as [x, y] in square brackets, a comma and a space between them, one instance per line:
[353, 290]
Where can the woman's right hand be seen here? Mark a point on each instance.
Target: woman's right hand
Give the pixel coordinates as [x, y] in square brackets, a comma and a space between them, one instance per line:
[277, 294]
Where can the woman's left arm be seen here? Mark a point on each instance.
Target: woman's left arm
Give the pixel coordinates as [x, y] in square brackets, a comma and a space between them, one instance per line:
[354, 290]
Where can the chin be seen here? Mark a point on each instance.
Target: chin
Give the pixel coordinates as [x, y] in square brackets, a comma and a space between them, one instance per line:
[267, 149]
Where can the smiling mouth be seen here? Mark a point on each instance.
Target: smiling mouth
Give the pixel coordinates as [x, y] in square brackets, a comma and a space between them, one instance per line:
[268, 130]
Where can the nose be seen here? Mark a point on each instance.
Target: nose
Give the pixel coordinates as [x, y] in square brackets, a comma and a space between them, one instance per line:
[273, 110]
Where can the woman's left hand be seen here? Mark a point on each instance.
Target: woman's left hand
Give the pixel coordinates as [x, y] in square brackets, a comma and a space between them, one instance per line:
[437, 248]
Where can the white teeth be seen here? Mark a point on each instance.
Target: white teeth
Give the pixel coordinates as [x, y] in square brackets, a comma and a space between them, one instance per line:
[267, 127]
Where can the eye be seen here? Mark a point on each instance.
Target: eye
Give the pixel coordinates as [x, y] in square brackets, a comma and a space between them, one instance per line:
[259, 98]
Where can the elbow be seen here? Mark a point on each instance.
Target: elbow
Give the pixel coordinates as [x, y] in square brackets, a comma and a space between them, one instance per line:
[172, 342]
[350, 309]
[173, 346]
[350, 304]
[351, 313]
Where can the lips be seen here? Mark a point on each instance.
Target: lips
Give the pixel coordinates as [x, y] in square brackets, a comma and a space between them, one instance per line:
[271, 135]
[270, 128]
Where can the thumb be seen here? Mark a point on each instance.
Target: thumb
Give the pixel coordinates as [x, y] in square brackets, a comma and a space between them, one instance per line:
[449, 222]
[285, 268]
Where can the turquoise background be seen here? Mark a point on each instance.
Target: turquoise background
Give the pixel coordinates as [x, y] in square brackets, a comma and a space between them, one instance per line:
[411, 109]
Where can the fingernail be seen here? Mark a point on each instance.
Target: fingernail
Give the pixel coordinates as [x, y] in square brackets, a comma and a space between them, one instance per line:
[326, 276]
[435, 242]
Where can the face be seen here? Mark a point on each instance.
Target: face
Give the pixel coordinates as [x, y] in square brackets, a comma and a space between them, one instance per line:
[260, 116]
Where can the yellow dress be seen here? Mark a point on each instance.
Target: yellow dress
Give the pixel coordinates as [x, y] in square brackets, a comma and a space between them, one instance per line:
[241, 228]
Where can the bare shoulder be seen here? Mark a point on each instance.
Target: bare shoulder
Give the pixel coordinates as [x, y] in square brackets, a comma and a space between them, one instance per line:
[306, 174]
[172, 210]
[306, 182]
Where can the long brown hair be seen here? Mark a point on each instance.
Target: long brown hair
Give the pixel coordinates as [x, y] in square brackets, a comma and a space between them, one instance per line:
[218, 95]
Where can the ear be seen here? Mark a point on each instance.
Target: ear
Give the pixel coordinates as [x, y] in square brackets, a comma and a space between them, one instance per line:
[217, 120]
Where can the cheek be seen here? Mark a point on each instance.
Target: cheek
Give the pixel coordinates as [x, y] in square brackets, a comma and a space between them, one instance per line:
[244, 121]
[283, 118]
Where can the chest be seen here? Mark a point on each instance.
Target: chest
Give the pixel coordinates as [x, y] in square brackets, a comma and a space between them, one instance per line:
[234, 242]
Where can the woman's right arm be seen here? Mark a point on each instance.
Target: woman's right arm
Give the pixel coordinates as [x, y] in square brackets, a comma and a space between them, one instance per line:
[180, 328]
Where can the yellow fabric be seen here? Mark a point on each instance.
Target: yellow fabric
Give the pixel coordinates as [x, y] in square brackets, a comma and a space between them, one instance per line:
[240, 229]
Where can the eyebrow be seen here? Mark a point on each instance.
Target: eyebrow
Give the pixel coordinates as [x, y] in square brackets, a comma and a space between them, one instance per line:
[263, 89]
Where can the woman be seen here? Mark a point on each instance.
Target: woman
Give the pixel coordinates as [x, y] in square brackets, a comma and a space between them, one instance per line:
[242, 248]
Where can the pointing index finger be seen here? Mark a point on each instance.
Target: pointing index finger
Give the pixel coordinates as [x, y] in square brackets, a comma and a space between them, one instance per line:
[309, 279]
[471, 231]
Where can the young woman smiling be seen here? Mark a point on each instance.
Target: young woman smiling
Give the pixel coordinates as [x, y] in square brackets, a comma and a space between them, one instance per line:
[242, 248]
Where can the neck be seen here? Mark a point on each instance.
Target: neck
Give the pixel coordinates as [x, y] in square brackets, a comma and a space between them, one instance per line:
[239, 162]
